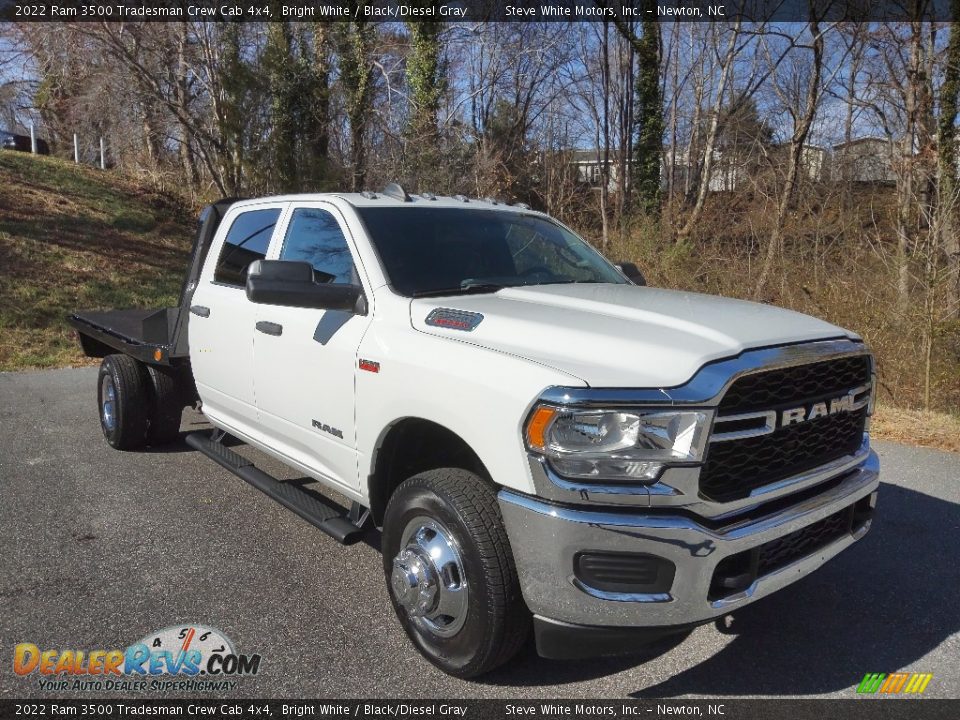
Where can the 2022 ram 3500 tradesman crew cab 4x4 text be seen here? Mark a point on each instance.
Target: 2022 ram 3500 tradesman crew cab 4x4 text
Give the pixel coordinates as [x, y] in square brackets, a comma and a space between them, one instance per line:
[544, 442]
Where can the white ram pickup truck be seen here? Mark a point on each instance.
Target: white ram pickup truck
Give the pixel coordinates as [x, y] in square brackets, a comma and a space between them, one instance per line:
[545, 442]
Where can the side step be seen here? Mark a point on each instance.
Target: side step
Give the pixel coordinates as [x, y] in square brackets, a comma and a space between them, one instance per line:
[329, 519]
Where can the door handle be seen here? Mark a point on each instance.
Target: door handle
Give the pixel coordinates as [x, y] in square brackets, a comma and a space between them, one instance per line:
[270, 328]
[200, 310]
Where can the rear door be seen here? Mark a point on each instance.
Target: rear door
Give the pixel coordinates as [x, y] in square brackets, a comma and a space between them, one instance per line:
[222, 320]
[305, 363]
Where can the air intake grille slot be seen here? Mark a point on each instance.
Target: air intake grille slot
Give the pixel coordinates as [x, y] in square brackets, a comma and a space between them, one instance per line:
[783, 551]
[737, 572]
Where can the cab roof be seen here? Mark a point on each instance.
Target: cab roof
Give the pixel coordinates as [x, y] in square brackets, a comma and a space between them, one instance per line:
[394, 199]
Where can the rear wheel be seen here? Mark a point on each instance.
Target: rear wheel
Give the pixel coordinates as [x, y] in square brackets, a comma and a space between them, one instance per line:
[123, 396]
[167, 403]
[450, 572]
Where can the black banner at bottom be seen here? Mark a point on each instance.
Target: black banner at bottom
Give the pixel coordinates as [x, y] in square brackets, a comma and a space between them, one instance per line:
[721, 709]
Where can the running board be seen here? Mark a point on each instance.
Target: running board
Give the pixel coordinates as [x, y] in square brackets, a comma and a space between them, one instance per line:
[329, 519]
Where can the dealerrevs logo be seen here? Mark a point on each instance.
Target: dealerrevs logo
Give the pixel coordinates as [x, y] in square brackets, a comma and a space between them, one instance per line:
[182, 657]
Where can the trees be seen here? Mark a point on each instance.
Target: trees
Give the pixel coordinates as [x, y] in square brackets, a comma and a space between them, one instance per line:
[708, 155]
[426, 86]
[949, 166]
[648, 143]
[355, 49]
[283, 75]
[643, 165]
[722, 118]
[801, 105]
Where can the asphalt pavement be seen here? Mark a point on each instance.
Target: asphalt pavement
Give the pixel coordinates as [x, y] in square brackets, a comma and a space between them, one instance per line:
[98, 548]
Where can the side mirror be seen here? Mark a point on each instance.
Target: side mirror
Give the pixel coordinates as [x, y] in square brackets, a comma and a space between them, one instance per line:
[632, 273]
[290, 283]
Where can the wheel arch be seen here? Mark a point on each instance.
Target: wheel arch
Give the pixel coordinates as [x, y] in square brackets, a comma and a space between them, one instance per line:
[411, 445]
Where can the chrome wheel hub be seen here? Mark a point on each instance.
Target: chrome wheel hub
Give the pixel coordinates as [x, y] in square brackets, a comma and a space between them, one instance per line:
[108, 403]
[413, 583]
[428, 578]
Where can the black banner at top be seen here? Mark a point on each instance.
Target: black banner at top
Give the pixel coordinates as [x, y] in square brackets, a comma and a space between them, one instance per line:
[751, 11]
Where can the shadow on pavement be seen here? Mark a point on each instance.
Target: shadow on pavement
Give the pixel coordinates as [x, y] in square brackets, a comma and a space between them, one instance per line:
[879, 607]
[529, 669]
[192, 422]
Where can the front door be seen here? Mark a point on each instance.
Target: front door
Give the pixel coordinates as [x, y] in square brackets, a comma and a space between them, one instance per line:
[305, 359]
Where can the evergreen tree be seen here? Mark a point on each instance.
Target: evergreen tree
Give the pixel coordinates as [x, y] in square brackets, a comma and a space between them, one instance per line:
[281, 71]
[427, 83]
[648, 144]
[355, 48]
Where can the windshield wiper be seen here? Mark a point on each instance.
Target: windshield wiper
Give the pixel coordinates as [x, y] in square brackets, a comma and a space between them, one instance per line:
[466, 290]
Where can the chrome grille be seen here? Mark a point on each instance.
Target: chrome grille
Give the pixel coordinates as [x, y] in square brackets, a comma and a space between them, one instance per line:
[734, 468]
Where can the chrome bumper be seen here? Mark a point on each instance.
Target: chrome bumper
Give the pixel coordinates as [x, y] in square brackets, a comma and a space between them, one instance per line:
[546, 537]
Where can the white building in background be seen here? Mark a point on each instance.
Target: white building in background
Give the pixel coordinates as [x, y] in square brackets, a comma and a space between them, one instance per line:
[589, 164]
[865, 160]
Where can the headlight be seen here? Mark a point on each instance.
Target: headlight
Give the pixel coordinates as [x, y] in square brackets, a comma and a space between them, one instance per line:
[618, 445]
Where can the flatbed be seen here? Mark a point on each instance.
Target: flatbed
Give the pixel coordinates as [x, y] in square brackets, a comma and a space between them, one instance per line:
[143, 333]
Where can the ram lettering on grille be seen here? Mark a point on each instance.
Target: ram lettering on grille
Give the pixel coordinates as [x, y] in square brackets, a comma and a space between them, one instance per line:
[781, 422]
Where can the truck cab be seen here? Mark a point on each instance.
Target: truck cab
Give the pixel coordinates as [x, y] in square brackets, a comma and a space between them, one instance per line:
[545, 443]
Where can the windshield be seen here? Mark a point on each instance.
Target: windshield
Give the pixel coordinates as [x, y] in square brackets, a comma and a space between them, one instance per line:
[439, 251]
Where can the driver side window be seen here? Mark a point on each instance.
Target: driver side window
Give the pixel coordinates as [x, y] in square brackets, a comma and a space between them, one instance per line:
[314, 236]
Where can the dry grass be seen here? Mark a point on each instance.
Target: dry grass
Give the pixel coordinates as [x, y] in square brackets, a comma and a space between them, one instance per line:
[916, 427]
[78, 238]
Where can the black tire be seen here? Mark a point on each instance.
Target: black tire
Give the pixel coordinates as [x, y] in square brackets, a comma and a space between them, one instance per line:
[166, 407]
[497, 621]
[125, 425]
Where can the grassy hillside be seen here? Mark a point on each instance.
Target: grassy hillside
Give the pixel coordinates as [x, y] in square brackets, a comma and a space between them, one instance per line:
[73, 237]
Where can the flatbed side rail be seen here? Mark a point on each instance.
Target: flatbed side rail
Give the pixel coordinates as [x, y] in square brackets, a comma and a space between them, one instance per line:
[99, 340]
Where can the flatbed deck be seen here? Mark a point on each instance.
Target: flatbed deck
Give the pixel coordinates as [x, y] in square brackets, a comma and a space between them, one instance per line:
[143, 333]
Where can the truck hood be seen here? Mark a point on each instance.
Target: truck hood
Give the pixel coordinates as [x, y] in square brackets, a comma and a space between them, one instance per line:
[619, 335]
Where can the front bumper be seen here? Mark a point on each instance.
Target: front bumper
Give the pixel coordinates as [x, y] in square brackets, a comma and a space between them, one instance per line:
[546, 538]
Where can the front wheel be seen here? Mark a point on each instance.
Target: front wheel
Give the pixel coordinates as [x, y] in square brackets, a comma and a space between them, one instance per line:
[450, 572]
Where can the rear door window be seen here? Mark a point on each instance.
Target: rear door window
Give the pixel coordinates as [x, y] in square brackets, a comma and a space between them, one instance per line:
[246, 241]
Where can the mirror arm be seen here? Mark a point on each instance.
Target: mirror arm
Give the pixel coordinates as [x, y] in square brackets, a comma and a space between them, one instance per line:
[361, 307]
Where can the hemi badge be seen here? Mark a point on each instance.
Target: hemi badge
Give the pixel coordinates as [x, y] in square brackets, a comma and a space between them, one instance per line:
[454, 319]
[369, 365]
